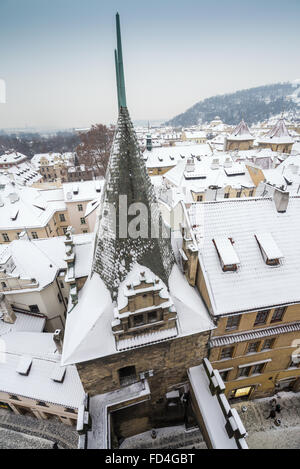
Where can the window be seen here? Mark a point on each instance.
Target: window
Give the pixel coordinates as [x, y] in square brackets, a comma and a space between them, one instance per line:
[34, 309]
[261, 317]
[251, 193]
[84, 231]
[268, 344]
[224, 374]
[226, 196]
[127, 375]
[199, 198]
[269, 249]
[71, 411]
[238, 194]
[62, 217]
[229, 259]
[293, 364]
[152, 316]
[226, 353]
[82, 221]
[278, 314]
[245, 371]
[3, 284]
[34, 235]
[138, 320]
[61, 284]
[5, 237]
[233, 323]
[59, 298]
[253, 347]
[257, 369]
[80, 207]
[41, 404]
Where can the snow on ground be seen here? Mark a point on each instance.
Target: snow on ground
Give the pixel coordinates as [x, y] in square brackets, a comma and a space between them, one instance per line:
[263, 433]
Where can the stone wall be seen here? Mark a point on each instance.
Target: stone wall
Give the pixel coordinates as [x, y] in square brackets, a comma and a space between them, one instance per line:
[169, 361]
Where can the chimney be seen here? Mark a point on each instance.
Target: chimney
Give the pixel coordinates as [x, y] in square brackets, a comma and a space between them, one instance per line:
[58, 340]
[281, 199]
[6, 311]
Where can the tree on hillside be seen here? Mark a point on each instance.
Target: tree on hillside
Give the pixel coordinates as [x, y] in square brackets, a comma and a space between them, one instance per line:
[94, 149]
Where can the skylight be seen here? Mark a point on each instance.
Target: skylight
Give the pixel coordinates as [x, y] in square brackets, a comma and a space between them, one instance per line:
[269, 248]
[228, 257]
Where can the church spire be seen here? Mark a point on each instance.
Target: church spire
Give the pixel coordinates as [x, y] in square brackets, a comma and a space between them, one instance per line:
[130, 228]
[119, 66]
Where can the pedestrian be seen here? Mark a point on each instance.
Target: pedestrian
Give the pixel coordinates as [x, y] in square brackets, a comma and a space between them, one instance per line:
[278, 408]
[272, 414]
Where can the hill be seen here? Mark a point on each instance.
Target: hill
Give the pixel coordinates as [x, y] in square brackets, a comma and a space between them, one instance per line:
[253, 105]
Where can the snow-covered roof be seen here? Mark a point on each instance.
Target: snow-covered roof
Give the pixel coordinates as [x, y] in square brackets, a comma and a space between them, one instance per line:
[41, 259]
[255, 285]
[33, 207]
[37, 354]
[286, 174]
[23, 323]
[278, 134]
[170, 156]
[219, 171]
[194, 135]
[82, 191]
[53, 158]
[22, 174]
[89, 334]
[241, 132]
[12, 157]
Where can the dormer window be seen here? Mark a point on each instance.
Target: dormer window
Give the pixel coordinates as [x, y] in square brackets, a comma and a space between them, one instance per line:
[228, 257]
[269, 249]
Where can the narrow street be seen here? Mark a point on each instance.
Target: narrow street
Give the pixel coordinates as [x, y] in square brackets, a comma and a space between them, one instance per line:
[263, 433]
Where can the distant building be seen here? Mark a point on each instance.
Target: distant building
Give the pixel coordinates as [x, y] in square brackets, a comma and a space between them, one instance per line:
[32, 382]
[33, 276]
[240, 139]
[46, 213]
[278, 138]
[11, 158]
[160, 160]
[194, 137]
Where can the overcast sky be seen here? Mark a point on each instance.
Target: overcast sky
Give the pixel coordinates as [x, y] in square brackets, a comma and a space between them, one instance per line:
[56, 56]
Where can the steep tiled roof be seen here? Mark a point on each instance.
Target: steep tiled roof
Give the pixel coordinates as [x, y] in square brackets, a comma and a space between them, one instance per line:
[127, 178]
[241, 132]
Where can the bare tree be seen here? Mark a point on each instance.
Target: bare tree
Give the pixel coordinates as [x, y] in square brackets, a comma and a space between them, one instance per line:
[94, 149]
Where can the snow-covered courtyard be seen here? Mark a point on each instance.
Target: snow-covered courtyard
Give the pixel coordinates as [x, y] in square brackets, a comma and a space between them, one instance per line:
[263, 433]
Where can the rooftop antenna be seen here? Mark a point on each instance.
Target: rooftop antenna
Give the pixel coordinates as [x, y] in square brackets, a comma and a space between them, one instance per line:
[120, 67]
